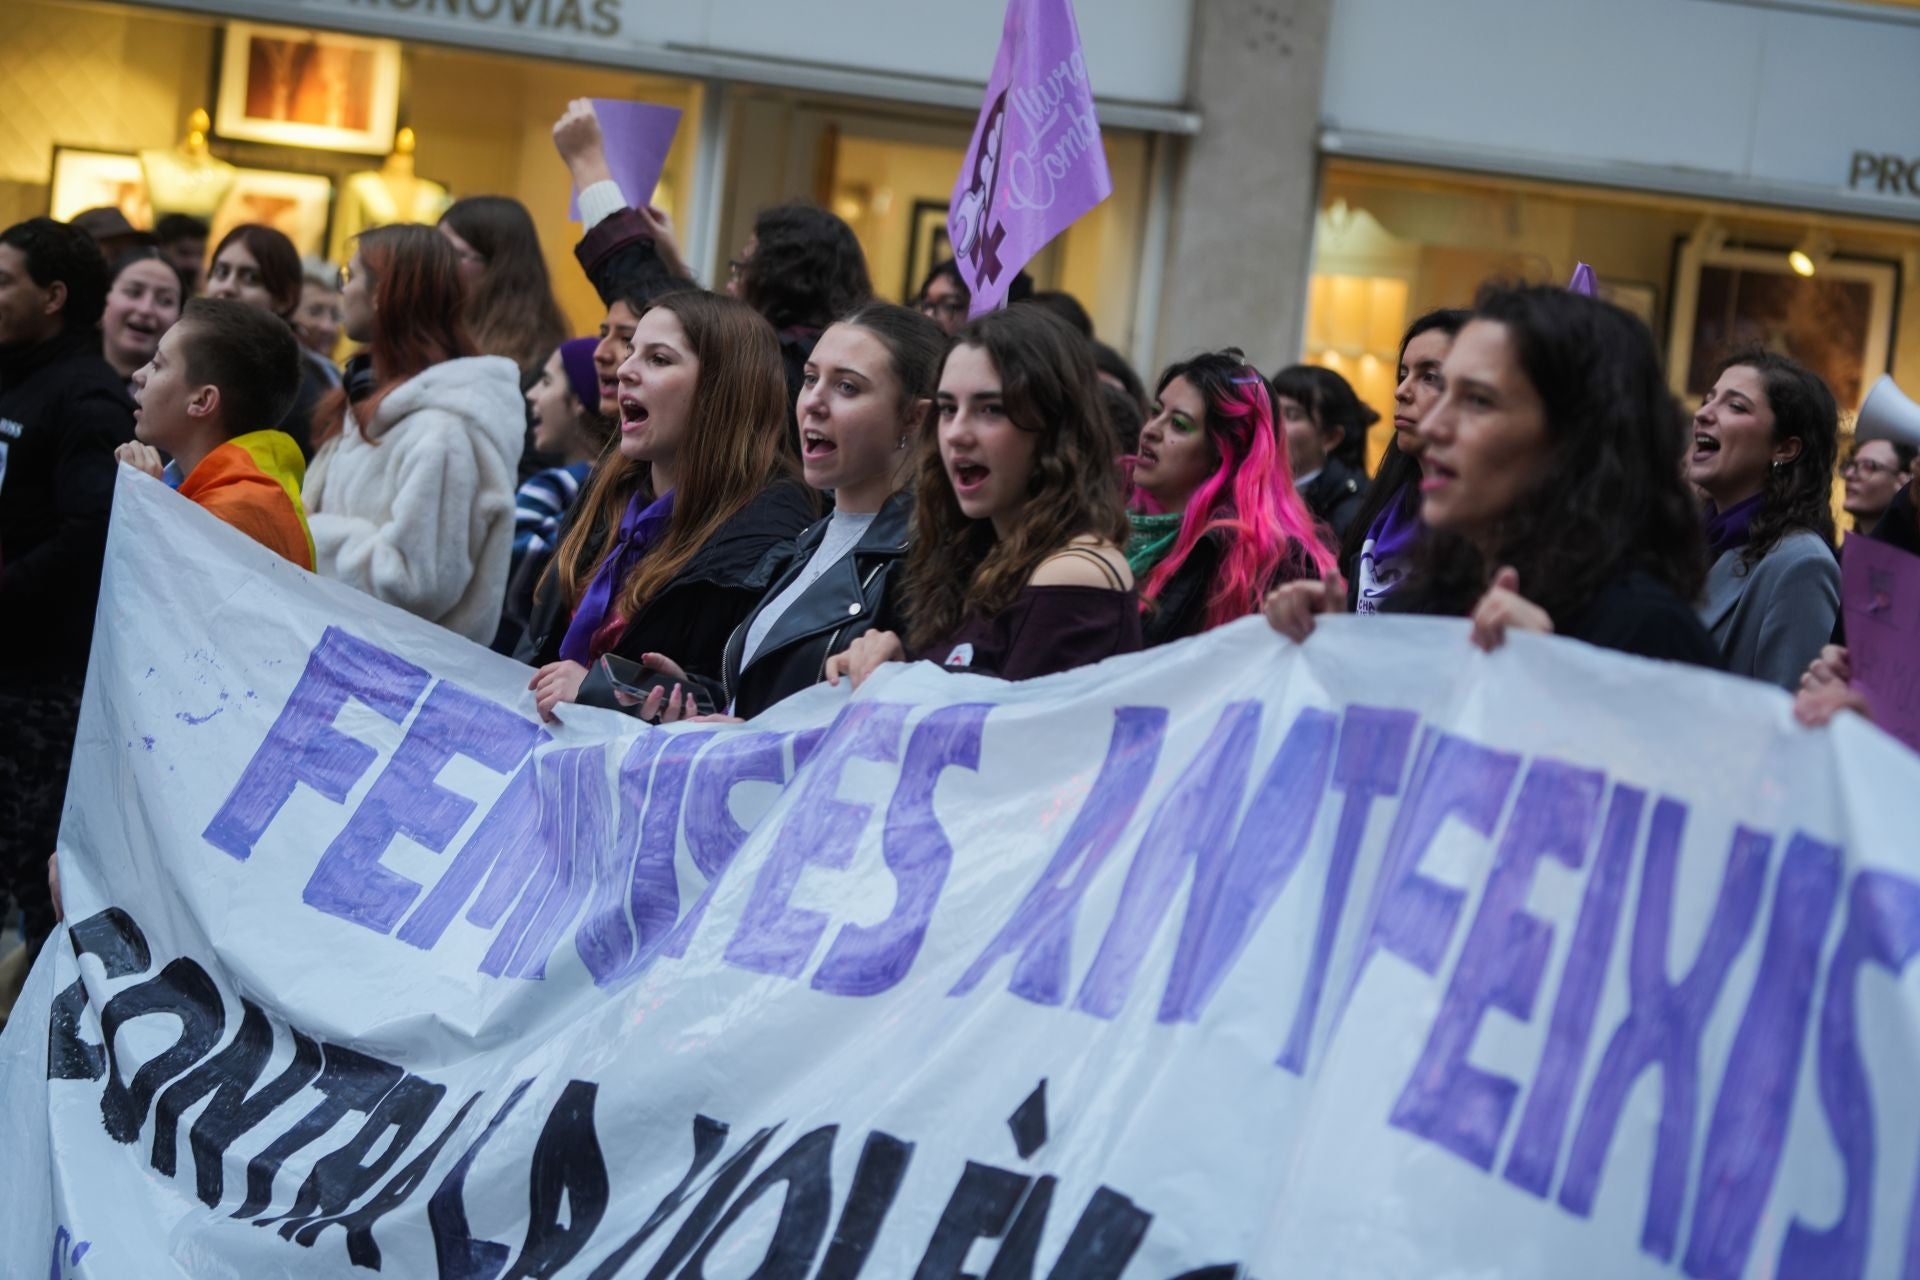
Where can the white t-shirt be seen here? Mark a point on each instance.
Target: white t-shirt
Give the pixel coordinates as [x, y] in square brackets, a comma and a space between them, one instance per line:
[844, 531]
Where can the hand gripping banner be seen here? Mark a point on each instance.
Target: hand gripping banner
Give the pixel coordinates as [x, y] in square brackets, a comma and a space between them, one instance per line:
[1377, 957]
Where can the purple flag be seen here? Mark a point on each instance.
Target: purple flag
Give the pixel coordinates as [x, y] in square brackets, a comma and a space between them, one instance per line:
[638, 136]
[1583, 282]
[1036, 162]
[1880, 595]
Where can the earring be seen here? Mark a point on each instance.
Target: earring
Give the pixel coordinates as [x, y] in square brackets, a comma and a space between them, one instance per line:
[903, 442]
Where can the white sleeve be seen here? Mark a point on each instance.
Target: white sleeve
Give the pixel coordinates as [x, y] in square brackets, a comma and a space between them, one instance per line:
[598, 203]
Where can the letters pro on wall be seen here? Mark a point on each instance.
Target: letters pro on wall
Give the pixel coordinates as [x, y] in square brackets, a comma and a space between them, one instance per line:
[1838, 322]
[291, 87]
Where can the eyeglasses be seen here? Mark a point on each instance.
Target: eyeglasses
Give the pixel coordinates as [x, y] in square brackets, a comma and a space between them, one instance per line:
[1867, 467]
[936, 308]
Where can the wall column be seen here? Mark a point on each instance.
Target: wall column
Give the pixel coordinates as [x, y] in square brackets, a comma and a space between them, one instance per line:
[1241, 238]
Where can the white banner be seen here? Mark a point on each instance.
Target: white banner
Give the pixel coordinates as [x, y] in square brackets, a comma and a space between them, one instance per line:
[1377, 957]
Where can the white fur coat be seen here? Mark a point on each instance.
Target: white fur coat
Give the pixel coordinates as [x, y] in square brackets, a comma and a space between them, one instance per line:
[421, 516]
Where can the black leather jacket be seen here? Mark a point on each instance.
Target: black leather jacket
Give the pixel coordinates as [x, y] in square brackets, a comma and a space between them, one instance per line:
[862, 593]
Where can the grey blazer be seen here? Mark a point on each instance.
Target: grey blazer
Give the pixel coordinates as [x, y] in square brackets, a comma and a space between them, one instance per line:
[1771, 620]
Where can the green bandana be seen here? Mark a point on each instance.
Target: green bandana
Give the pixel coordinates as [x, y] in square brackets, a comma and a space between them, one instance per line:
[1151, 540]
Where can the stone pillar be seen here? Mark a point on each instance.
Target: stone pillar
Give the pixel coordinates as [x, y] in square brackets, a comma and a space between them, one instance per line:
[1240, 240]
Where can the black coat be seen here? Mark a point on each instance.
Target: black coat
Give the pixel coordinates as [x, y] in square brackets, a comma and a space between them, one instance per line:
[690, 618]
[620, 258]
[862, 593]
[63, 411]
[1335, 495]
[1180, 610]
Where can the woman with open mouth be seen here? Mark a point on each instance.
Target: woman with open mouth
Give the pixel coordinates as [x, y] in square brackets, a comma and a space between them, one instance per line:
[1016, 569]
[866, 398]
[143, 302]
[1226, 523]
[1762, 450]
[661, 553]
[1551, 483]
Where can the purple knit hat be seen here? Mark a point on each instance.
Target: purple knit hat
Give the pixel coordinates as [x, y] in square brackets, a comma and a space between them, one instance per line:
[576, 357]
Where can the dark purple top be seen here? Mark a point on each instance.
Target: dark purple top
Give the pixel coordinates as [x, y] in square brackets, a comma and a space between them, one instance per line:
[1044, 630]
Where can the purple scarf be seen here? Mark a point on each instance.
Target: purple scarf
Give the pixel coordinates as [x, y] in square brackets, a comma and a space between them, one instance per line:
[1728, 530]
[1387, 551]
[640, 528]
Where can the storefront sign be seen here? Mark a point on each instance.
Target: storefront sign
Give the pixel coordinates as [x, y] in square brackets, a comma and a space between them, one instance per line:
[929, 50]
[587, 17]
[1887, 174]
[1716, 105]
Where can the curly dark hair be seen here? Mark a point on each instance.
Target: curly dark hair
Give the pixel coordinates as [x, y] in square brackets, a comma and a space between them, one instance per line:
[1798, 494]
[59, 251]
[807, 268]
[1611, 499]
[959, 566]
[1399, 475]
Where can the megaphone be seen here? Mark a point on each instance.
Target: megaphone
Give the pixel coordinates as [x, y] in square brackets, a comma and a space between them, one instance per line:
[1888, 415]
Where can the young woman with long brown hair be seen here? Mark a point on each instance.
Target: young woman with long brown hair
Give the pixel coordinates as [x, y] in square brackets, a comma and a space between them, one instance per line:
[510, 308]
[1016, 568]
[410, 496]
[702, 484]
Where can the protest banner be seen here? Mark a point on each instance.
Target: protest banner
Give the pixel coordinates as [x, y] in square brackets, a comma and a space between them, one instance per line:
[1377, 956]
[1036, 162]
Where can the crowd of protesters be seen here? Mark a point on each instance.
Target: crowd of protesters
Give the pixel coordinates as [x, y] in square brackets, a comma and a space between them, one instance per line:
[723, 498]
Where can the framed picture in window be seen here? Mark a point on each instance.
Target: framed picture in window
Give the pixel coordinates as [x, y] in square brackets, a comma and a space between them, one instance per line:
[84, 179]
[928, 244]
[296, 204]
[297, 88]
[1838, 322]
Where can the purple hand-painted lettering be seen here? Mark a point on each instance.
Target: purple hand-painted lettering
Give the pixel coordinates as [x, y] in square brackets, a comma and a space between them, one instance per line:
[303, 745]
[1447, 1100]
[1231, 896]
[773, 935]
[713, 837]
[1192, 827]
[1755, 1102]
[575, 831]
[866, 960]
[1882, 929]
[1543, 1125]
[349, 880]
[1412, 915]
[1663, 1023]
[503, 849]
[1040, 933]
[1373, 757]
[606, 938]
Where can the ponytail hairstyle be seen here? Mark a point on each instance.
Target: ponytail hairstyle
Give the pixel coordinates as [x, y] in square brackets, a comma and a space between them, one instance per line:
[414, 279]
[737, 443]
[959, 566]
[1798, 494]
[1330, 401]
[1268, 534]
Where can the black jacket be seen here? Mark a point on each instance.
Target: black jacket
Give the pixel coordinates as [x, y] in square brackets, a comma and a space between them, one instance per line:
[1180, 610]
[862, 593]
[63, 411]
[1335, 495]
[690, 618]
[619, 256]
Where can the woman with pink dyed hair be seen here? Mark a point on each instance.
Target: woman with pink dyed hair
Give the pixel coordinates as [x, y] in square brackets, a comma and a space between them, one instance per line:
[1217, 522]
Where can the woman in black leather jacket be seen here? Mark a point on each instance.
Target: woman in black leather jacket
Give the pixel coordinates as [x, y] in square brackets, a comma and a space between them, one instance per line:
[866, 392]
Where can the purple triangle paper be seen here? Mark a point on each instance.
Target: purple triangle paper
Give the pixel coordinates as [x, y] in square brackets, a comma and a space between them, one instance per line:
[1036, 162]
[638, 136]
[1583, 282]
